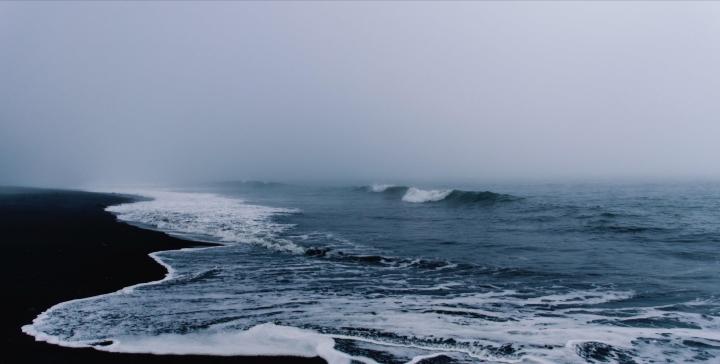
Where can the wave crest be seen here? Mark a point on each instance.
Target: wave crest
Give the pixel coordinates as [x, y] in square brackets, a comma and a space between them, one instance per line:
[380, 187]
[417, 195]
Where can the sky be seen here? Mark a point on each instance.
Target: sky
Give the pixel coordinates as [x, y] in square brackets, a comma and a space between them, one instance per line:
[163, 92]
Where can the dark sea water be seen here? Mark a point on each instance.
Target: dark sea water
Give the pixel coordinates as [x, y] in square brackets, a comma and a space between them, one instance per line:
[492, 273]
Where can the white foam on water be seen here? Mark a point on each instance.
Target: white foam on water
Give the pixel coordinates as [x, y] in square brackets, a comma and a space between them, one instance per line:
[417, 317]
[380, 187]
[231, 221]
[265, 339]
[417, 195]
[421, 358]
[222, 219]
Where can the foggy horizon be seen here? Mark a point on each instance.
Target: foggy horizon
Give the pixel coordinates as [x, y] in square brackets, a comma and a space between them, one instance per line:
[114, 93]
[342, 182]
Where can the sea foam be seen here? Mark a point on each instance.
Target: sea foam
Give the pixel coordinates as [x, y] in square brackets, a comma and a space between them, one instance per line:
[265, 339]
[417, 195]
[208, 216]
[380, 187]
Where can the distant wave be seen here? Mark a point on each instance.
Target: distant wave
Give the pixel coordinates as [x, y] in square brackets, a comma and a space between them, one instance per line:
[380, 187]
[248, 183]
[417, 195]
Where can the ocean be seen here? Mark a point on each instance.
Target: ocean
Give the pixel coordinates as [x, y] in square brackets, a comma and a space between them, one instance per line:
[499, 273]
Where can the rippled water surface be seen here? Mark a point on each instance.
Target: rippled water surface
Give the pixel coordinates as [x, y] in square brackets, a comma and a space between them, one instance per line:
[509, 273]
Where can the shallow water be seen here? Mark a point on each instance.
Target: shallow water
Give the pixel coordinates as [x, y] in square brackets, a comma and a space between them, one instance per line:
[525, 273]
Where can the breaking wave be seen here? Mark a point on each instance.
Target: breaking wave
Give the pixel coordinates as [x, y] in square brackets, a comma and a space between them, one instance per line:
[454, 196]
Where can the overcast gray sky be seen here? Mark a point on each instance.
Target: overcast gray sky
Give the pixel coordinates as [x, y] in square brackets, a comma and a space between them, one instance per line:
[146, 92]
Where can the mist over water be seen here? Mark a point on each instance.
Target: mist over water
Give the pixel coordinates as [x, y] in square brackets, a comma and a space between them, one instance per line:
[115, 93]
[467, 107]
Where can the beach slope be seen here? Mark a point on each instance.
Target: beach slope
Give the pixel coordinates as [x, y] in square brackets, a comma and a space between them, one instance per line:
[60, 245]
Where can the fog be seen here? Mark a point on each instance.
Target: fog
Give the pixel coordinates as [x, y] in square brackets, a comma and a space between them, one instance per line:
[94, 93]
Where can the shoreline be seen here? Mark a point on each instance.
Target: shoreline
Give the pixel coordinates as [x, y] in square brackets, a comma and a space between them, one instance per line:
[60, 246]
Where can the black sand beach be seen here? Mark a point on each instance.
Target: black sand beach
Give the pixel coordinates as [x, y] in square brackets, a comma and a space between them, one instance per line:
[60, 245]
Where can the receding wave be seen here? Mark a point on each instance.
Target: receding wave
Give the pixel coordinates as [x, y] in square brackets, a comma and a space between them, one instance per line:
[454, 196]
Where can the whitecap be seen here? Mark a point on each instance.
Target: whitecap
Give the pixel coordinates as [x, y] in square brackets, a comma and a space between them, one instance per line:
[417, 195]
[380, 187]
